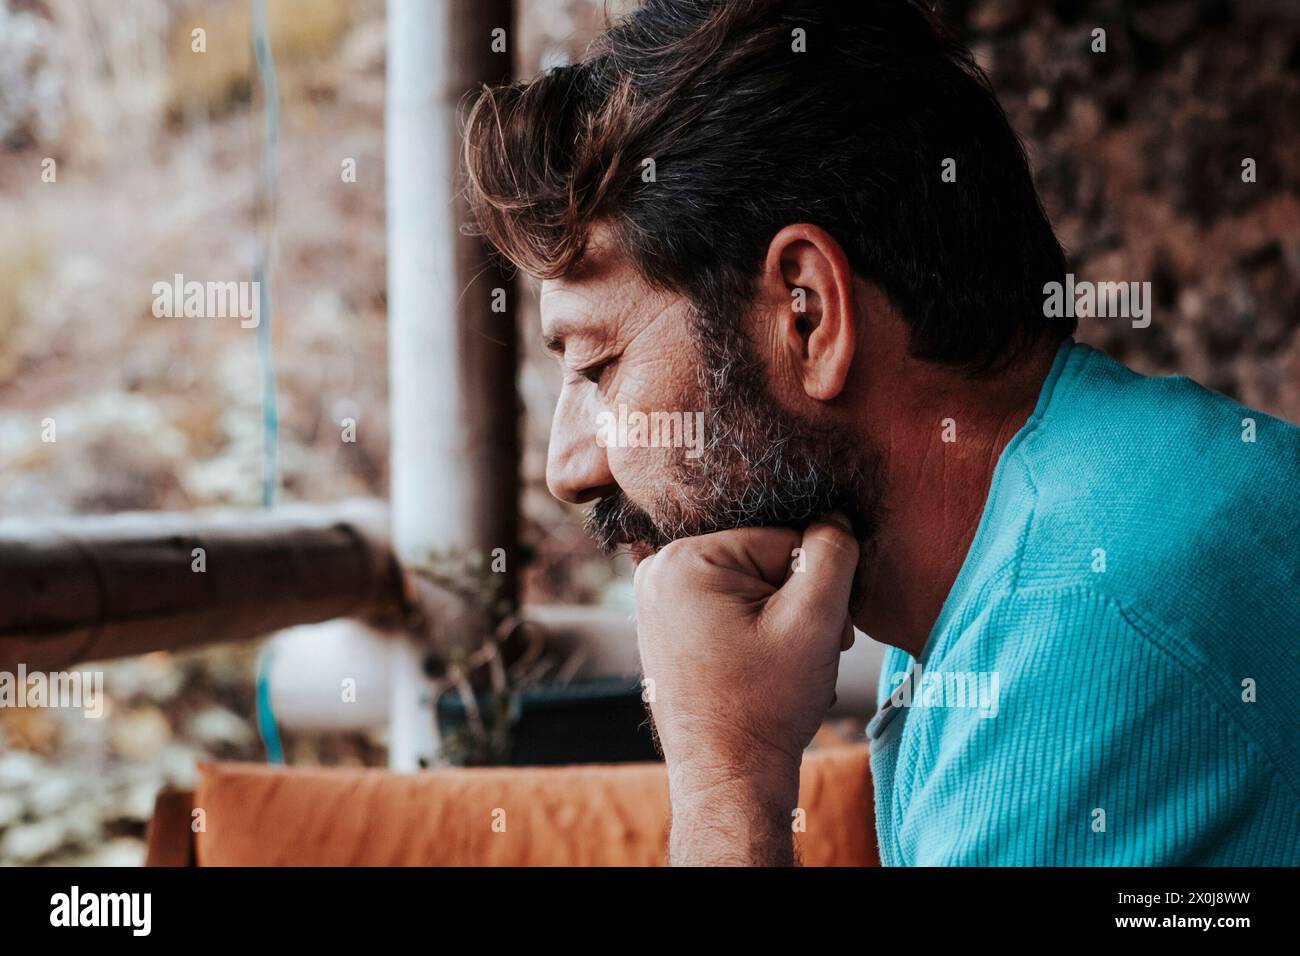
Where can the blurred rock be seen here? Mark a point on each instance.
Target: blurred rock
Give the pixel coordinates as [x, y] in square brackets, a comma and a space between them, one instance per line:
[19, 769]
[52, 794]
[135, 802]
[29, 842]
[122, 851]
[217, 728]
[140, 734]
[31, 83]
[178, 765]
[155, 677]
[11, 810]
[80, 824]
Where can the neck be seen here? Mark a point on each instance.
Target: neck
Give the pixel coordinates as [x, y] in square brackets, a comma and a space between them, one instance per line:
[940, 438]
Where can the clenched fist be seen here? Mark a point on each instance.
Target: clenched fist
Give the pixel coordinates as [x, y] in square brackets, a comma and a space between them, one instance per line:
[740, 634]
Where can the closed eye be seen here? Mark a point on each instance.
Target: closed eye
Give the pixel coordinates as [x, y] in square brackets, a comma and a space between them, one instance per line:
[594, 373]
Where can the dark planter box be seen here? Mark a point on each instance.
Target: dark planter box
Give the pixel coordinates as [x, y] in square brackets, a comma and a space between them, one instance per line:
[593, 721]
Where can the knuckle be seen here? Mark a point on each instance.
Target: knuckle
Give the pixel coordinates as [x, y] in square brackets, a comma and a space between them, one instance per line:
[674, 551]
[676, 559]
[644, 580]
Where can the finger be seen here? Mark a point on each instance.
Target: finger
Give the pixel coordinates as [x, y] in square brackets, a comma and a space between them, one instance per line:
[849, 636]
[821, 589]
[765, 553]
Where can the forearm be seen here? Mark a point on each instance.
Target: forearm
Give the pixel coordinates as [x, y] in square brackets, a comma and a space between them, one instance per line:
[737, 820]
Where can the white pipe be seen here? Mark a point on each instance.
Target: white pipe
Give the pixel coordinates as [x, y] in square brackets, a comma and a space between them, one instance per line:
[424, 393]
[331, 676]
[426, 493]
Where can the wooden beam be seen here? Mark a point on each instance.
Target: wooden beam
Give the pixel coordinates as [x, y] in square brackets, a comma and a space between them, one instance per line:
[489, 350]
[92, 588]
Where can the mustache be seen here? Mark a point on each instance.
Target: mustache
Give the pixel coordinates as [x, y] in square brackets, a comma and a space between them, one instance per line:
[615, 522]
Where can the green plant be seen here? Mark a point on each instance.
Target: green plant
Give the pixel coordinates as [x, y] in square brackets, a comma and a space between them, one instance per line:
[486, 653]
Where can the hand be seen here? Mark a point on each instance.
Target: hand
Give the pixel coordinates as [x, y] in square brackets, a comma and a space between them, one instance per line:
[740, 637]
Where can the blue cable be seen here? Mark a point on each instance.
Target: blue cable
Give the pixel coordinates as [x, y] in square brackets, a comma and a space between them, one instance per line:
[266, 725]
[265, 253]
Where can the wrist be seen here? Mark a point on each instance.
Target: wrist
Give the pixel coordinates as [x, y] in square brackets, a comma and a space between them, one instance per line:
[702, 757]
[733, 815]
[707, 779]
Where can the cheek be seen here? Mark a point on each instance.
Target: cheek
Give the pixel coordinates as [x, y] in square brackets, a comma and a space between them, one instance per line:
[644, 474]
[646, 459]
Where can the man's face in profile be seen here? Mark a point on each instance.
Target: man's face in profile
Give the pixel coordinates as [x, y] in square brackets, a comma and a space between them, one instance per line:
[629, 350]
[759, 144]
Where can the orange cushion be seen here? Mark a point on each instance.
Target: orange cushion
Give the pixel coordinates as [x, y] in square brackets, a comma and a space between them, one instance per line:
[612, 815]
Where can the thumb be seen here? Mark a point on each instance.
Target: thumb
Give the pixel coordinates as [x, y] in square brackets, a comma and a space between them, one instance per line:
[819, 594]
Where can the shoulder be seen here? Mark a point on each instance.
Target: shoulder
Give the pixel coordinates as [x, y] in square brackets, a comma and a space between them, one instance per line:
[1160, 459]
[1178, 506]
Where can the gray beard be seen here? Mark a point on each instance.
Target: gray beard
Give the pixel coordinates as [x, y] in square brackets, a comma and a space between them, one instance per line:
[761, 465]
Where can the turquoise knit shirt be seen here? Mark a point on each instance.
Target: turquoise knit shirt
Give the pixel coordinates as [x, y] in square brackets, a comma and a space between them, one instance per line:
[1114, 678]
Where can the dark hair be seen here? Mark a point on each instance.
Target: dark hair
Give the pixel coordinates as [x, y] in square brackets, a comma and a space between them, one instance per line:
[749, 135]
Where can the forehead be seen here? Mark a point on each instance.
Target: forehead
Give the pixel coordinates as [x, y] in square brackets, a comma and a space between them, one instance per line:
[603, 293]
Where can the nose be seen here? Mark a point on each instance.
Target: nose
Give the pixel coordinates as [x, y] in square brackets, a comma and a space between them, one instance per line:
[577, 468]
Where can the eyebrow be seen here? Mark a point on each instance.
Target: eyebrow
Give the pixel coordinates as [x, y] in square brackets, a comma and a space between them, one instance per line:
[564, 328]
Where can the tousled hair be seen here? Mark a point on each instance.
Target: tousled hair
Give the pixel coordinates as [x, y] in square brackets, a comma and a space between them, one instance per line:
[748, 136]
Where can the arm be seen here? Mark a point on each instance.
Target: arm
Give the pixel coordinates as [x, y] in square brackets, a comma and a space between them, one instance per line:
[740, 652]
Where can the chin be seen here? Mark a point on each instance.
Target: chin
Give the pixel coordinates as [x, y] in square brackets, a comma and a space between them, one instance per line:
[640, 551]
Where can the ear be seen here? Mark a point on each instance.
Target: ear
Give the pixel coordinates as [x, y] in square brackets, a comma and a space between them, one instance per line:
[807, 276]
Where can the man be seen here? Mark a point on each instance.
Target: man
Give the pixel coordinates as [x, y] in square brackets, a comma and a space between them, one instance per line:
[813, 224]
